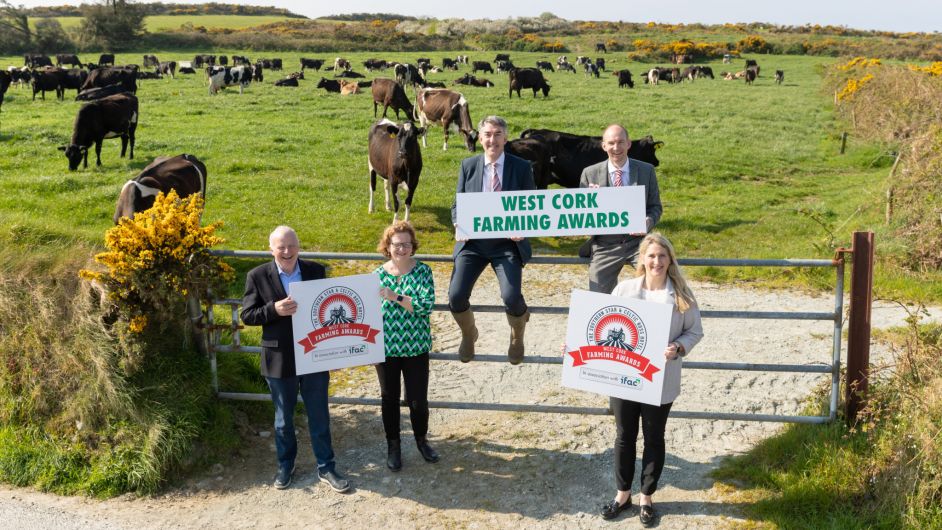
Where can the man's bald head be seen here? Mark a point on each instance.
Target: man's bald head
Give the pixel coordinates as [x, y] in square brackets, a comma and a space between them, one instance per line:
[616, 144]
[284, 245]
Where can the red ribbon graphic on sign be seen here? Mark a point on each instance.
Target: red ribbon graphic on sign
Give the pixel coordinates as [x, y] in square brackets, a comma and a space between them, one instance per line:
[608, 353]
[339, 330]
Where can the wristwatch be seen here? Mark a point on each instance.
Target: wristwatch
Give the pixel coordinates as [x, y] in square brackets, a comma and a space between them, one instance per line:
[399, 298]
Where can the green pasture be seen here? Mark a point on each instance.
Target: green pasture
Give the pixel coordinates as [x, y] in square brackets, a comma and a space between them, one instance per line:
[159, 23]
[746, 171]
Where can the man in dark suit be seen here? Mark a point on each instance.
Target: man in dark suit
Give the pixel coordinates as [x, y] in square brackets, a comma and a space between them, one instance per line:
[266, 303]
[494, 171]
[610, 252]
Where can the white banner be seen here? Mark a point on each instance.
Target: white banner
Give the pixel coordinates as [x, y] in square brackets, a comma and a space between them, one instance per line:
[558, 212]
[338, 324]
[615, 346]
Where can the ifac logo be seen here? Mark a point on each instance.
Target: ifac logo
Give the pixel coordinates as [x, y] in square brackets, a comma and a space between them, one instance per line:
[337, 312]
[616, 334]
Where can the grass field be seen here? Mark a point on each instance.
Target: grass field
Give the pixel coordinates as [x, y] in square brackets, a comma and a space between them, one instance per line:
[746, 172]
[171, 22]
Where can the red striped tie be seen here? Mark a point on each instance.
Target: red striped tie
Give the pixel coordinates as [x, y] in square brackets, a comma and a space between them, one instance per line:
[495, 180]
[616, 181]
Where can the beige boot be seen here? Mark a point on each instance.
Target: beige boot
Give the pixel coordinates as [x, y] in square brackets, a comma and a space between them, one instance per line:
[517, 325]
[469, 334]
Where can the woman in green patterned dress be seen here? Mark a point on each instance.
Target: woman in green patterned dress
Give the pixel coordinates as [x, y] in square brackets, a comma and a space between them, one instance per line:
[408, 293]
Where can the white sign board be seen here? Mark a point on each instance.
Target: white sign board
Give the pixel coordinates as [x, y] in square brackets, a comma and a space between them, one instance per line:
[615, 346]
[558, 212]
[338, 324]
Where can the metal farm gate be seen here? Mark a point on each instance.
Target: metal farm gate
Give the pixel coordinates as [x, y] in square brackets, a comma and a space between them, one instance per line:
[855, 386]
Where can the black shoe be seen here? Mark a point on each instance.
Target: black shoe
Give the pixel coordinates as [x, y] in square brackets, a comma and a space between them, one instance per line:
[429, 454]
[393, 455]
[648, 515]
[336, 482]
[612, 509]
[283, 478]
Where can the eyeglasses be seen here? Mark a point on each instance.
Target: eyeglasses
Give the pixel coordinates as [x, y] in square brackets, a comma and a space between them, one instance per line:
[401, 246]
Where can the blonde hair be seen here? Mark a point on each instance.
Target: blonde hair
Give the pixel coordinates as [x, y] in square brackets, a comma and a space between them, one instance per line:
[398, 227]
[683, 295]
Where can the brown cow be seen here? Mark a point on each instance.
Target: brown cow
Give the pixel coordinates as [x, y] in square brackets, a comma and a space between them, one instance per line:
[348, 88]
[450, 108]
[183, 173]
[394, 154]
[389, 93]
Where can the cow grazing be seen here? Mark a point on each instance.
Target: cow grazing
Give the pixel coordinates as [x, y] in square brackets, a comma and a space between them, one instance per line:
[341, 64]
[150, 61]
[68, 58]
[224, 76]
[690, 73]
[532, 78]
[545, 65]
[108, 117]
[106, 59]
[600, 47]
[72, 79]
[484, 66]
[450, 109]
[330, 85]
[36, 60]
[375, 64]
[501, 57]
[571, 153]
[779, 76]
[624, 78]
[184, 174]
[101, 77]
[167, 68]
[91, 94]
[223, 60]
[565, 66]
[389, 93]
[582, 60]
[394, 154]
[675, 75]
[504, 66]
[591, 69]
[600, 63]
[316, 64]
[470, 80]
[47, 79]
[449, 64]
[348, 88]
[751, 75]
[408, 74]
[705, 71]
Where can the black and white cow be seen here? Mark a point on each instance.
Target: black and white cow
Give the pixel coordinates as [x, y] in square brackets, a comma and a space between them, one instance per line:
[167, 68]
[109, 117]
[184, 174]
[223, 76]
[394, 154]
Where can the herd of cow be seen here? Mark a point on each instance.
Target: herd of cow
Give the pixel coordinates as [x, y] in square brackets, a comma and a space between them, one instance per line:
[112, 111]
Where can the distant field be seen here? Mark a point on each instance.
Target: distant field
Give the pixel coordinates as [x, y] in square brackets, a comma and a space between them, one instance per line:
[746, 171]
[167, 22]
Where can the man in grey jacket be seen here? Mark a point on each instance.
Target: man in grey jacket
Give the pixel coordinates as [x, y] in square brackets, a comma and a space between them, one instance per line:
[609, 253]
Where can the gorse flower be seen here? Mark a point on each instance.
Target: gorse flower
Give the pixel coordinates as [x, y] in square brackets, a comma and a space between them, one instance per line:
[158, 258]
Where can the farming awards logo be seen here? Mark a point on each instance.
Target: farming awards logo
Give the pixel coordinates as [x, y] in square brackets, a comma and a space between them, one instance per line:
[337, 312]
[616, 333]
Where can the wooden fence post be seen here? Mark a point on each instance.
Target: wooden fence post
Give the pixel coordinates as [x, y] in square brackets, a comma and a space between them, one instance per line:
[858, 330]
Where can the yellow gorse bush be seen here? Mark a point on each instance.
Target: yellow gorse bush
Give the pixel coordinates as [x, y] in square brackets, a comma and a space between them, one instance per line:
[934, 69]
[852, 86]
[158, 258]
[859, 62]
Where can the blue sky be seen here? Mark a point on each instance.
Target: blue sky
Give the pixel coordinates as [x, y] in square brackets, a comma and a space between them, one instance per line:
[900, 15]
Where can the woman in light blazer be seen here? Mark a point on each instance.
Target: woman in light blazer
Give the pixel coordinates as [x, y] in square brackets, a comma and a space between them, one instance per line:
[658, 279]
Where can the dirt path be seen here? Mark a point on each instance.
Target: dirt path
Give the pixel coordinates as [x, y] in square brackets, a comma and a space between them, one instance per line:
[498, 470]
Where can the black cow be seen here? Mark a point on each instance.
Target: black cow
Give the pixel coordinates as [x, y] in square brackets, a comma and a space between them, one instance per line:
[108, 117]
[184, 174]
[100, 77]
[187, 70]
[350, 74]
[91, 94]
[600, 47]
[258, 74]
[106, 59]
[389, 93]
[504, 66]
[72, 79]
[5, 80]
[706, 71]
[468, 79]
[222, 60]
[330, 85]
[277, 64]
[751, 74]
[532, 78]
[36, 60]
[316, 64]
[394, 154]
[538, 153]
[545, 65]
[449, 64]
[501, 57]
[238, 60]
[624, 78]
[779, 76]
[47, 79]
[288, 81]
[571, 153]
[600, 63]
[167, 68]
[150, 61]
[68, 58]
[484, 66]
[204, 59]
[375, 64]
